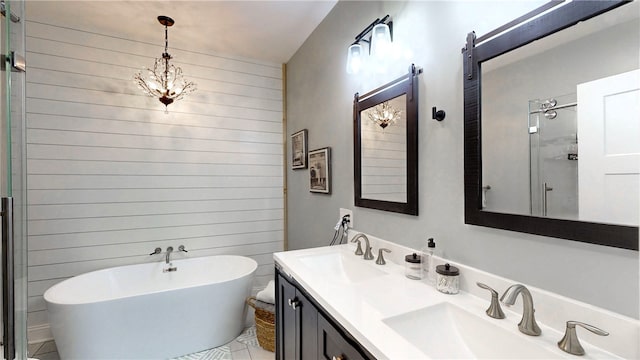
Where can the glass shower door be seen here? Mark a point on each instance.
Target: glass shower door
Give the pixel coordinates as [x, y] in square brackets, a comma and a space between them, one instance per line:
[553, 135]
[12, 182]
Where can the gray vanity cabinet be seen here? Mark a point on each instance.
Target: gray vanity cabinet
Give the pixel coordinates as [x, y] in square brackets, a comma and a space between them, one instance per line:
[304, 331]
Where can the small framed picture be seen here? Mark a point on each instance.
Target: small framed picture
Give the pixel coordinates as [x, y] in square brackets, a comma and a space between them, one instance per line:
[299, 150]
[320, 170]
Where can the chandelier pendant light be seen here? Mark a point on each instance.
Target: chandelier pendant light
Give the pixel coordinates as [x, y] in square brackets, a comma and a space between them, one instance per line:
[384, 115]
[164, 81]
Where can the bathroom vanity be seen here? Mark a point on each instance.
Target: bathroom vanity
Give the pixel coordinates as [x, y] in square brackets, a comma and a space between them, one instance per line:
[305, 330]
[333, 304]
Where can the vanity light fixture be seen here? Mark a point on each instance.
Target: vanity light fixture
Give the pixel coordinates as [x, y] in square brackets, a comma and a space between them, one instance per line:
[379, 41]
[165, 81]
[384, 115]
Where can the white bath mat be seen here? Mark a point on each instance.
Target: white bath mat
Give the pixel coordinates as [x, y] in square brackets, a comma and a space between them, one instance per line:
[248, 337]
[220, 353]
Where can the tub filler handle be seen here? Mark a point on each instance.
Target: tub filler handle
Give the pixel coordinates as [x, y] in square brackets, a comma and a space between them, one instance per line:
[156, 251]
[181, 248]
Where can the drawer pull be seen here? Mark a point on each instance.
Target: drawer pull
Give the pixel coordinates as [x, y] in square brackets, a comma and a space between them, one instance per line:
[294, 303]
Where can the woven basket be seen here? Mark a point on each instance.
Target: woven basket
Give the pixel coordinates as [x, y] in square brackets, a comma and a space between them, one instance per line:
[265, 325]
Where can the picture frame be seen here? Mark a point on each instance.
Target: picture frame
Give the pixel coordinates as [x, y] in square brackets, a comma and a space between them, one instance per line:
[299, 150]
[320, 170]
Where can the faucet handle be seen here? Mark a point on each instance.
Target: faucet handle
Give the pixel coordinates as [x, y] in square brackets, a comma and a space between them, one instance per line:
[570, 343]
[494, 310]
[181, 248]
[380, 260]
[359, 249]
[156, 251]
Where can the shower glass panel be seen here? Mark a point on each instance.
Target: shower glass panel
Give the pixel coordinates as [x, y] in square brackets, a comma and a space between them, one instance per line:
[12, 181]
[553, 141]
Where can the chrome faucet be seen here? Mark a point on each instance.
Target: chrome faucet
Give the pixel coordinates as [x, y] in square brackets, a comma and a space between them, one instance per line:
[168, 258]
[528, 323]
[367, 248]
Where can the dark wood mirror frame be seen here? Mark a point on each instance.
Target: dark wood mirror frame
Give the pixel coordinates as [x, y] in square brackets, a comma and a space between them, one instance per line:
[408, 85]
[625, 237]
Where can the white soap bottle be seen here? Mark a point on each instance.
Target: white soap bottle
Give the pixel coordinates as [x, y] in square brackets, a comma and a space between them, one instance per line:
[427, 263]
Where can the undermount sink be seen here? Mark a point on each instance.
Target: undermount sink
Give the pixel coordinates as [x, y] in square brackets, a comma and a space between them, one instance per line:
[448, 331]
[337, 267]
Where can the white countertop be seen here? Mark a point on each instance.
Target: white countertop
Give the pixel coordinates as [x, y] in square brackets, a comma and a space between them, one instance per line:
[361, 306]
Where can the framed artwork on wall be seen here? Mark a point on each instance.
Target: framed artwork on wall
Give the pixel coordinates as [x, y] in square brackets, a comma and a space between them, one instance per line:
[320, 170]
[299, 150]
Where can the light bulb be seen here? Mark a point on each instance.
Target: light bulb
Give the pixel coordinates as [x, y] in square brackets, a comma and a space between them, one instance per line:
[354, 59]
[380, 40]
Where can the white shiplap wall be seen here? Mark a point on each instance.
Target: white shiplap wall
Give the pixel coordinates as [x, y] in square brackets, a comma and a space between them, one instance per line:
[111, 177]
[384, 155]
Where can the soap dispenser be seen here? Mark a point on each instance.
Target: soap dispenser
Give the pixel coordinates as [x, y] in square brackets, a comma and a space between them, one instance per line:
[428, 263]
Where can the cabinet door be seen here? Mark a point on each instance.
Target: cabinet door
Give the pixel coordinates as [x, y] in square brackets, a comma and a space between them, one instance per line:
[286, 333]
[332, 345]
[308, 327]
[297, 331]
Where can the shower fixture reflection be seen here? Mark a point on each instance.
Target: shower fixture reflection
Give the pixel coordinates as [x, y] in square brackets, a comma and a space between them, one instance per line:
[553, 155]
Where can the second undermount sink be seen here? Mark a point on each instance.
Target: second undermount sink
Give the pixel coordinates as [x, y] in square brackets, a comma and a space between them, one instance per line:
[448, 331]
[342, 267]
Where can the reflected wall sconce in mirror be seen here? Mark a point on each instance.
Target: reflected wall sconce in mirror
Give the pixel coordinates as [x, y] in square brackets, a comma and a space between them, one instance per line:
[437, 114]
[164, 81]
[379, 41]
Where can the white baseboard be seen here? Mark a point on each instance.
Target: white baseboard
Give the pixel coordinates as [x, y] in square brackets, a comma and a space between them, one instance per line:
[39, 333]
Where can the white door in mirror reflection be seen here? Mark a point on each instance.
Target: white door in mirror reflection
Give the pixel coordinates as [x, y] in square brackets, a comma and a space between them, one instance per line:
[609, 153]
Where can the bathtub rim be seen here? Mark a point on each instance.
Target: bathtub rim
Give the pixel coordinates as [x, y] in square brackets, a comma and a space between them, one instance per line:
[176, 263]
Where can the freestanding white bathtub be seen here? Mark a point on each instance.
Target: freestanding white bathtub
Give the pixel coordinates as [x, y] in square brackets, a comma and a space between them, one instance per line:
[141, 312]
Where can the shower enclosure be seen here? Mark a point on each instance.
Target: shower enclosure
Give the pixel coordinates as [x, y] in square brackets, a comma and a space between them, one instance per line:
[553, 157]
[13, 181]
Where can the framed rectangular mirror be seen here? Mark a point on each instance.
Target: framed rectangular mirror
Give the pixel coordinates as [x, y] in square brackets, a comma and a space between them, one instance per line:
[385, 138]
[557, 154]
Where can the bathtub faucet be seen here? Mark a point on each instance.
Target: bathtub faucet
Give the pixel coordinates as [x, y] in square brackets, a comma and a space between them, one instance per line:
[168, 258]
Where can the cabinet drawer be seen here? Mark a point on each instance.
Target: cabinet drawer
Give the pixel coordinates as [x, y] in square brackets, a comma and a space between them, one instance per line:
[332, 345]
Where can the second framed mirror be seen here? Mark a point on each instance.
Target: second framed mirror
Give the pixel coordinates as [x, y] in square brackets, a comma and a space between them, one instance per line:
[385, 137]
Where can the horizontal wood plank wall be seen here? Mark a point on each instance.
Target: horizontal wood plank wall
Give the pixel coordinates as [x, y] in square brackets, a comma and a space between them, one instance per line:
[111, 176]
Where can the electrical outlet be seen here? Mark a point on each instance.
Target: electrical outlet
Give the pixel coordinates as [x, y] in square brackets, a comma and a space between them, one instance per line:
[344, 212]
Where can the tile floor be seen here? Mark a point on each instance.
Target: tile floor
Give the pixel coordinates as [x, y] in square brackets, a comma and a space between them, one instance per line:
[48, 351]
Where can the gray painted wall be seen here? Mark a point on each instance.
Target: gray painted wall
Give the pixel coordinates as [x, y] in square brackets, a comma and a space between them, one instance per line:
[319, 98]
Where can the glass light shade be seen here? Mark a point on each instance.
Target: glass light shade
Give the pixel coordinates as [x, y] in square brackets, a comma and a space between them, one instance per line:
[354, 59]
[380, 40]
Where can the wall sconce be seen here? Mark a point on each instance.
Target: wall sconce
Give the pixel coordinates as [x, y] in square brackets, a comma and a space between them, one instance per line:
[379, 43]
